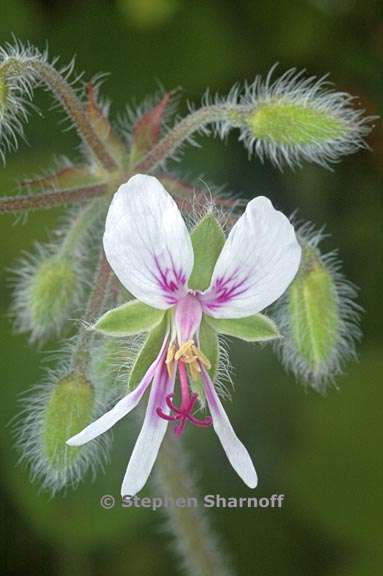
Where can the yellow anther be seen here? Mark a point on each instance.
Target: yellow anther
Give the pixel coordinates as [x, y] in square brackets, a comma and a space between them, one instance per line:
[193, 357]
[170, 358]
[189, 359]
[195, 370]
[201, 357]
[170, 353]
[184, 349]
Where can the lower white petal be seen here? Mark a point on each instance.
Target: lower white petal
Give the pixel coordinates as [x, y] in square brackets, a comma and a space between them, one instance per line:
[119, 410]
[235, 451]
[150, 438]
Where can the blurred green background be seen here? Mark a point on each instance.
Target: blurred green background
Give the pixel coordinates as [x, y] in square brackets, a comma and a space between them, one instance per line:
[324, 454]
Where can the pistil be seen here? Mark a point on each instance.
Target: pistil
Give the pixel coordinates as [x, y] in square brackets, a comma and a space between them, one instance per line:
[187, 355]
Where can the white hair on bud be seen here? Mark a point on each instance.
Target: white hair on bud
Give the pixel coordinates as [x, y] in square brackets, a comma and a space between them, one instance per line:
[348, 330]
[28, 433]
[293, 88]
[25, 270]
[18, 92]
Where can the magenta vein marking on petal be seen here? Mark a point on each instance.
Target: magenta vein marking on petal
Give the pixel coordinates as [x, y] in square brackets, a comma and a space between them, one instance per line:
[223, 292]
[169, 280]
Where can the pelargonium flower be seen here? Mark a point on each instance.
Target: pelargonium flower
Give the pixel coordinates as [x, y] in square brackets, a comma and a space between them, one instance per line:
[188, 289]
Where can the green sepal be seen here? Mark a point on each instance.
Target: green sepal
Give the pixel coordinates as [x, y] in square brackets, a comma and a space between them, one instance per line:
[148, 353]
[208, 239]
[130, 318]
[256, 328]
[208, 343]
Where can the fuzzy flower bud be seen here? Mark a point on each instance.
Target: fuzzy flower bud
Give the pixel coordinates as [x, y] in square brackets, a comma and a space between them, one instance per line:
[69, 409]
[110, 364]
[54, 412]
[47, 293]
[16, 81]
[296, 118]
[318, 317]
[3, 94]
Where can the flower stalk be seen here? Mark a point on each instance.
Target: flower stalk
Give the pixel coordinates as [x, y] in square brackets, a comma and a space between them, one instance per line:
[35, 67]
[181, 133]
[94, 307]
[197, 545]
[50, 199]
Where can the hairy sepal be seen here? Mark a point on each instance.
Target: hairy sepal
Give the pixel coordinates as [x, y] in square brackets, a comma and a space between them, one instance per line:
[147, 129]
[128, 319]
[148, 353]
[98, 117]
[64, 178]
[256, 328]
[208, 239]
[209, 344]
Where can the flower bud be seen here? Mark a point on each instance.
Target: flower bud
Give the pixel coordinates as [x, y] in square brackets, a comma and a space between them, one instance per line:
[3, 95]
[60, 408]
[317, 317]
[110, 363]
[16, 86]
[47, 292]
[296, 118]
[69, 410]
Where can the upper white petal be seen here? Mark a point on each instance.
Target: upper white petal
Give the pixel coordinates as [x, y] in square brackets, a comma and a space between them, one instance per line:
[260, 258]
[147, 243]
[235, 451]
[150, 438]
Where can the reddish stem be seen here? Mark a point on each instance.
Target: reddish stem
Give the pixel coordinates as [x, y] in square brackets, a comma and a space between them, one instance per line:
[11, 204]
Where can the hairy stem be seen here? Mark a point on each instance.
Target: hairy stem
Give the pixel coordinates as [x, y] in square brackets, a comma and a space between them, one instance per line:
[65, 94]
[13, 204]
[179, 134]
[94, 307]
[197, 545]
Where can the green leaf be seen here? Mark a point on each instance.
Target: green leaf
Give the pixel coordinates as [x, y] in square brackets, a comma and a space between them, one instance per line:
[256, 328]
[148, 353]
[208, 239]
[130, 318]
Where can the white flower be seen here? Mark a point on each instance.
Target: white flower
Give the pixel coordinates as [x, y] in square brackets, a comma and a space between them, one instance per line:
[149, 248]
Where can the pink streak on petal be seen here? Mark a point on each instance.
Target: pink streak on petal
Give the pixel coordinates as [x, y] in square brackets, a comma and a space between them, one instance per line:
[223, 290]
[188, 317]
[171, 280]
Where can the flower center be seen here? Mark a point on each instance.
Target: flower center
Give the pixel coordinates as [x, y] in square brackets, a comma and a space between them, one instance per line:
[188, 356]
